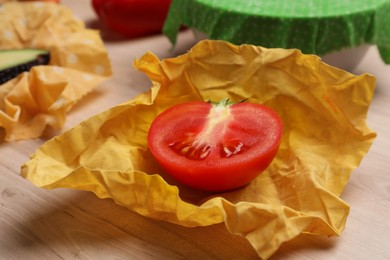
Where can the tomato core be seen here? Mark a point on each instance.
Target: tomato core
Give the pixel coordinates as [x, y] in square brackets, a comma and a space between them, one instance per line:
[197, 146]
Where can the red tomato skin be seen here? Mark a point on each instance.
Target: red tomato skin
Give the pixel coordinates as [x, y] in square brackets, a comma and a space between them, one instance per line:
[132, 18]
[215, 173]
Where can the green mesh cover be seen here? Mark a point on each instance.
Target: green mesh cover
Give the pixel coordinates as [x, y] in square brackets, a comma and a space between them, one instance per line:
[313, 26]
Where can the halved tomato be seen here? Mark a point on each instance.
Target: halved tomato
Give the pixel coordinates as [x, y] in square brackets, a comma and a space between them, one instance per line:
[215, 146]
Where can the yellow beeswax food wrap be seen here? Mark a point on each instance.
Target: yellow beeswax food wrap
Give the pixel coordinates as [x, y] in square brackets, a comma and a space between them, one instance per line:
[323, 111]
[7, 1]
[78, 63]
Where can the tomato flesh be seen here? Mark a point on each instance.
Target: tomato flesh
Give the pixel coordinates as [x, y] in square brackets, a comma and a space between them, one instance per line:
[215, 147]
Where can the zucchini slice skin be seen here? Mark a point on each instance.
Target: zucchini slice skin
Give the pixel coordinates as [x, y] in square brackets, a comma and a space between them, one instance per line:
[14, 62]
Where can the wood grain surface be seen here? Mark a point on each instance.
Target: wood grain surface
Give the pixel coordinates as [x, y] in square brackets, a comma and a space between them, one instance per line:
[70, 224]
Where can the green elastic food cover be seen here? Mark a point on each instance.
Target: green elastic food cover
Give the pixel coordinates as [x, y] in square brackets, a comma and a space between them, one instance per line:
[318, 27]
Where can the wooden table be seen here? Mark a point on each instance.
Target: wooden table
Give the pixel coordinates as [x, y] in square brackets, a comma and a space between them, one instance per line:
[71, 224]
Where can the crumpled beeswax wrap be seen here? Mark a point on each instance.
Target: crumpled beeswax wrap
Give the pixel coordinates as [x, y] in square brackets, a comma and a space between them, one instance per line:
[78, 63]
[325, 137]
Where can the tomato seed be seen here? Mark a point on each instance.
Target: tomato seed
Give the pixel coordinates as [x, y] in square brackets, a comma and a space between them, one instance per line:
[231, 148]
[191, 150]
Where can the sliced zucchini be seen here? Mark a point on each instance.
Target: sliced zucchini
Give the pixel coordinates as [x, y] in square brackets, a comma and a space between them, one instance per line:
[14, 62]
